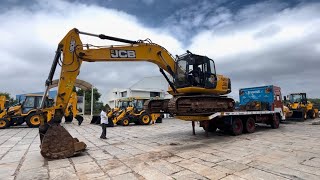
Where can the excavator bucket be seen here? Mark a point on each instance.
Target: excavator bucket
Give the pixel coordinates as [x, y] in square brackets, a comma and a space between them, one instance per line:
[57, 143]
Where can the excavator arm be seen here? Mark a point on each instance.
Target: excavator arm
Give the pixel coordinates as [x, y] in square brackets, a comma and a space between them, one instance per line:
[69, 55]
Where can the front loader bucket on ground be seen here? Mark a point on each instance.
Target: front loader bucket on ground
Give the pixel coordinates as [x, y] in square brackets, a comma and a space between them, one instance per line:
[95, 120]
[79, 119]
[57, 143]
[298, 115]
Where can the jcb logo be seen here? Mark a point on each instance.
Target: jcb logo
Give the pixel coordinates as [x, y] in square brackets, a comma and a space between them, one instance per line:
[123, 53]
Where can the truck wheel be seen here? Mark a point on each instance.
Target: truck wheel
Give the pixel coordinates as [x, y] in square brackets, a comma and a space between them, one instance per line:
[33, 120]
[250, 125]
[125, 122]
[144, 119]
[275, 122]
[237, 127]
[4, 123]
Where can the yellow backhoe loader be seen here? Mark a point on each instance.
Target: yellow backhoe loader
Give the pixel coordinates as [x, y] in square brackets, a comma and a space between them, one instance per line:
[196, 88]
[300, 106]
[136, 114]
[24, 112]
[132, 112]
[27, 111]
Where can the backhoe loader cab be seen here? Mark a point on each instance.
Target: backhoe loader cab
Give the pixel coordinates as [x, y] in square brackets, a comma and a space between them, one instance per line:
[298, 98]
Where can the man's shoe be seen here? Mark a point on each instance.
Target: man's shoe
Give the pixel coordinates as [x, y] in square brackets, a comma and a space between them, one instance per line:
[103, 138]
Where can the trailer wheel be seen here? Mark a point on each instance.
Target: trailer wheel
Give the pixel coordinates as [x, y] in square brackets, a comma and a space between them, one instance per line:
[250, 125]
[211, 128]
[275, 122]
[4, 123]
[237, 127]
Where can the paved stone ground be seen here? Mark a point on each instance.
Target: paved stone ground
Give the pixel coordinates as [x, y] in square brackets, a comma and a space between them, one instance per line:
[168, 151]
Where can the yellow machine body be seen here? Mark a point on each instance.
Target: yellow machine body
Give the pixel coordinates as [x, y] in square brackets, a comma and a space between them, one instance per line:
[301, 108]
[194, 81]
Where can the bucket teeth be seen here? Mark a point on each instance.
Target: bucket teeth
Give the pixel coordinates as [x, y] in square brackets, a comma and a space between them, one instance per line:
[57, 143]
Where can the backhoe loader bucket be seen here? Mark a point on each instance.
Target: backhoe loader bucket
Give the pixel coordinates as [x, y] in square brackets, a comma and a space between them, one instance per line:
[79, 119]
[298, 115]
[95, 120]
[57, 143]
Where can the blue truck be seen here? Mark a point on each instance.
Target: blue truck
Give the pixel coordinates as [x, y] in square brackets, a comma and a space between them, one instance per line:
[261, 104]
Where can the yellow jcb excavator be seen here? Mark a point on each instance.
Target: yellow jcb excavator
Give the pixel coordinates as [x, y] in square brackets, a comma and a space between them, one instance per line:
[196, 88]
[24, 112]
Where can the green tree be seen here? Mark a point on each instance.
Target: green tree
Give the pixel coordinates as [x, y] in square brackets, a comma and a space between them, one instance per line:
[12, 101]
[96, 96]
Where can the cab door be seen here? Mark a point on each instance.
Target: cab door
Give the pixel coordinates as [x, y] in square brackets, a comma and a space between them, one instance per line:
[210, 74]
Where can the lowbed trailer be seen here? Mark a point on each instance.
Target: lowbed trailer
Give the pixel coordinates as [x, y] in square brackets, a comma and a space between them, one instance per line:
[239, 122]
[257, 105]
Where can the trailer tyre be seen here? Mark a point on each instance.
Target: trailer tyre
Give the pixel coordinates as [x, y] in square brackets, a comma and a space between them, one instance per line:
[275, 122]
[4, 123]
[237, 127]
[250, 125]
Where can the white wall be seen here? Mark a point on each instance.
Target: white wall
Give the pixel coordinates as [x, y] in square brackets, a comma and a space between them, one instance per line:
[141, 88]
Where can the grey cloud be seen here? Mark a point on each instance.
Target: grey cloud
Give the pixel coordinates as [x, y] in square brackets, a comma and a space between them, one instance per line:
[292, 64]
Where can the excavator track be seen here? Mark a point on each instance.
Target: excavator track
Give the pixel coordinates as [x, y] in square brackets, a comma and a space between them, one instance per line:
[191, 105]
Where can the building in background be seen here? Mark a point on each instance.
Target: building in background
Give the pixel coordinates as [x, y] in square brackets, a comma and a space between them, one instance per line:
[155, 86]
[21, 97]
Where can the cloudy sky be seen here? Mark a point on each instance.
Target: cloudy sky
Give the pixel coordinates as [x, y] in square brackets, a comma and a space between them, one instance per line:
[252, 42]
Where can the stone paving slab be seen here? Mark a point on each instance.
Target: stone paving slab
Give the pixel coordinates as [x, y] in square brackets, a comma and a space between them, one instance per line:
[167, 151]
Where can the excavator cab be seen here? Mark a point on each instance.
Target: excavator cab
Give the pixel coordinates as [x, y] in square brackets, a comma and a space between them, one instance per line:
[195, 70]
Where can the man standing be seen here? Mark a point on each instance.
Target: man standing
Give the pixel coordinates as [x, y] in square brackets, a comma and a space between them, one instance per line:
[104, 122]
